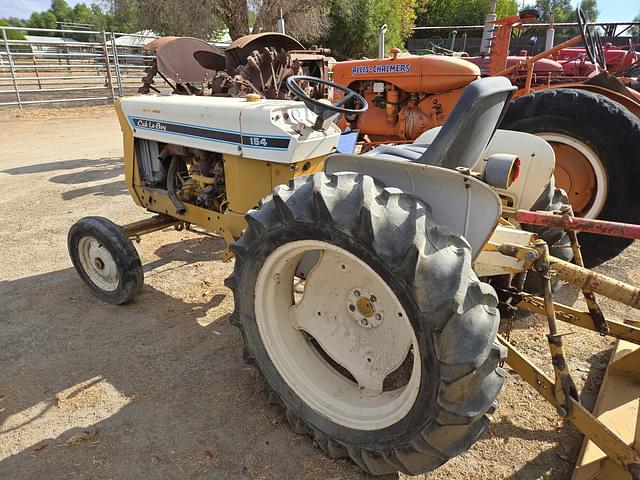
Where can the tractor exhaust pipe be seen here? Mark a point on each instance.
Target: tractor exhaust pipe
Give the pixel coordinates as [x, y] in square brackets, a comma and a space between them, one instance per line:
[281, 23]
[381, 32]
[551, 32]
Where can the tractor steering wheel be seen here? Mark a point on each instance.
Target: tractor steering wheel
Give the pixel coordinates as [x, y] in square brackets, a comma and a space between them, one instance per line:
[324, 110]
[592, 42]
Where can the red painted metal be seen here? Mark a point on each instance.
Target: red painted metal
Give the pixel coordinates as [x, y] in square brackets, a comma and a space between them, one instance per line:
[602, 227]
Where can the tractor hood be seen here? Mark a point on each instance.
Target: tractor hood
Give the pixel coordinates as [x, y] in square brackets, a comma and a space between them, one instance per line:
[412, 73]
[272, 130]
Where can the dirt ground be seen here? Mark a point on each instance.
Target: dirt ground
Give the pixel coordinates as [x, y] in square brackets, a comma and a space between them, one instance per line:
[157, 389]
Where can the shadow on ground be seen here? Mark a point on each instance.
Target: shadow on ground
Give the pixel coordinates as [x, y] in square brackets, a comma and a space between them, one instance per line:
[90, 171]
[188, 406]
[108, 162]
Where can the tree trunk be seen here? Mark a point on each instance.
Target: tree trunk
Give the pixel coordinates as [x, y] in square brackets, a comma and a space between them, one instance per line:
[235, 14]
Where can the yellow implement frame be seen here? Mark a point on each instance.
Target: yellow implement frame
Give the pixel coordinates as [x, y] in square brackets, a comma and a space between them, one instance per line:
[611, 449]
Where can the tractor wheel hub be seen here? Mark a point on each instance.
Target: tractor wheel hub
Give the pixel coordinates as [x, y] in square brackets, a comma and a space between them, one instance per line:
[365, 308]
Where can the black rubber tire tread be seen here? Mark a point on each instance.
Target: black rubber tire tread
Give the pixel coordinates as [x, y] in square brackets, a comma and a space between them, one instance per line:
[611, 131]
[131, 276]
[453, 314]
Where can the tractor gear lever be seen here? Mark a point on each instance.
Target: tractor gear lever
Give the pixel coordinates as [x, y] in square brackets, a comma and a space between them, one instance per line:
[325, 110]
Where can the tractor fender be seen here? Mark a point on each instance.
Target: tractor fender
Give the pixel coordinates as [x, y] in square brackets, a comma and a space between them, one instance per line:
[466, 205]
[623, 99]
[537, 162]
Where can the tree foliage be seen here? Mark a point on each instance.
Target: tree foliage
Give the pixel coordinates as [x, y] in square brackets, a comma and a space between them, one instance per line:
[119, 18]
[13, 34]
[355, 24]
[564, 11]
[348, 27]
[304, 19]
[462, 12]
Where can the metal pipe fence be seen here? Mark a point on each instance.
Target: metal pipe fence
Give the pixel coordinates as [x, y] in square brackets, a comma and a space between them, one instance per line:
[62, 66]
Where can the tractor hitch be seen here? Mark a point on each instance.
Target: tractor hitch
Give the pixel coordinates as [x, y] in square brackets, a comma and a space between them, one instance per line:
[612, 437]
[568, 222]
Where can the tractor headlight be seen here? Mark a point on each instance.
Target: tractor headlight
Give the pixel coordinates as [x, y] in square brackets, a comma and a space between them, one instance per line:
[501, 170]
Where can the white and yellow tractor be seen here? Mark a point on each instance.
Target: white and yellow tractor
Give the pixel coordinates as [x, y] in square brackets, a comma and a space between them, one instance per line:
[368, 288]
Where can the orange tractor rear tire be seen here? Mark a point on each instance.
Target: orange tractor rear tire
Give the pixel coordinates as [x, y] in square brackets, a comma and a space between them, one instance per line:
[597, 146]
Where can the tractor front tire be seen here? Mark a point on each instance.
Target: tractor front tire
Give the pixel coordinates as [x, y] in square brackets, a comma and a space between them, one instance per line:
[597, 146]
[386, 353]
[105, 259]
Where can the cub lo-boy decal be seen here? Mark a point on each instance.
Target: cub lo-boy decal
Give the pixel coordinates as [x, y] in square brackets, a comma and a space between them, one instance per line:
[226, 136]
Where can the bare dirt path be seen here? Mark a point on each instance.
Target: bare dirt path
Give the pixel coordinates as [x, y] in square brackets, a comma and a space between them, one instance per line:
[157, 389]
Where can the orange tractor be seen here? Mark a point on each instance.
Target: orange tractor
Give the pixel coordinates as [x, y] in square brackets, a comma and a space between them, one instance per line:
[593, 125]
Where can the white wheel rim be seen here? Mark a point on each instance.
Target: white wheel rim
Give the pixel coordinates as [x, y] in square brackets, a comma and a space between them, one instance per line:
[600, 197]
[369, 350]
[98, 264]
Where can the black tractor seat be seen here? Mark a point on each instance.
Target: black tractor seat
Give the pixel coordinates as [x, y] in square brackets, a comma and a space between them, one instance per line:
[467, 132]
[407, 151]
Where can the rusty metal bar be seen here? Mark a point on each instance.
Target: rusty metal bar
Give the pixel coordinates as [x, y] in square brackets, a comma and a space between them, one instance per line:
[564, 387]
[579, 318]
[547, 53]
[597, 283]
[568, 222]
[589, 297]
[148, 225]
[35, 67]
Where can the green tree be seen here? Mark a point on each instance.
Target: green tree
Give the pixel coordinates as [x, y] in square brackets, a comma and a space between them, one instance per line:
[304, 19]
[354, 25]
[122, 16]
[12, 34]
[118, 16]
[83, 15]
[462, 12]
[42, 20]
[61, 10]
[564, 11]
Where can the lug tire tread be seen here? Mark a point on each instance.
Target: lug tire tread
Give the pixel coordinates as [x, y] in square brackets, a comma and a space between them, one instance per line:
[395, 226]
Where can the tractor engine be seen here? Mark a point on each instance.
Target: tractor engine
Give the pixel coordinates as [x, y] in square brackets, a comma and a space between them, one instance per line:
[406, 94]
[189, 175]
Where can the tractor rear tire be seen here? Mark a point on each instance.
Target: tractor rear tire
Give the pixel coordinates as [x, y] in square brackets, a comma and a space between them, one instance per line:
[590, 129]
[381, 243]
[105, 259]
